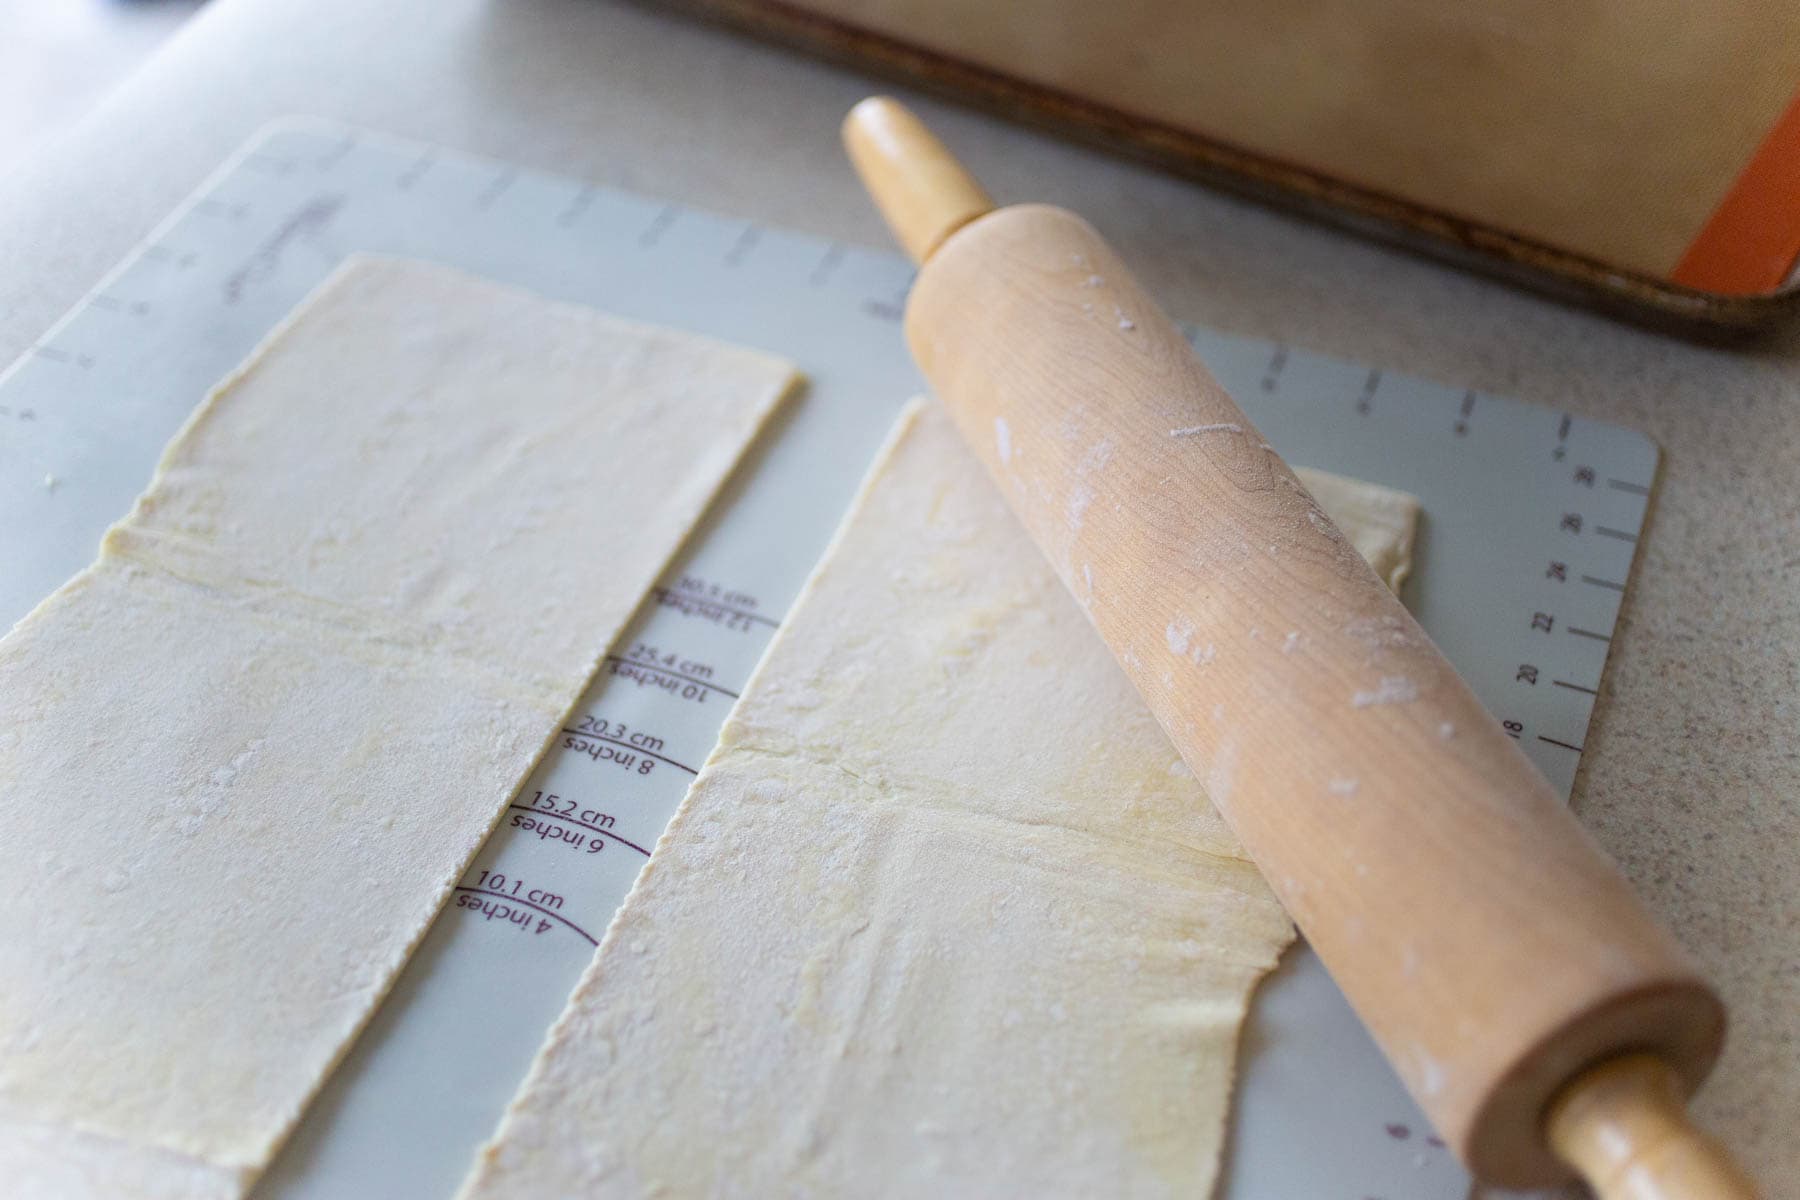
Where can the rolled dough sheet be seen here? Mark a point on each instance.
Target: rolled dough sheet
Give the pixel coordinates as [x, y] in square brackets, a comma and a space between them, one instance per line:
[1379, 521]
[945, 913]
[246, 753]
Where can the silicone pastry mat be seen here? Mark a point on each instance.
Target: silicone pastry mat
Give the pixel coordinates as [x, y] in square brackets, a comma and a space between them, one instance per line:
[1531, 521]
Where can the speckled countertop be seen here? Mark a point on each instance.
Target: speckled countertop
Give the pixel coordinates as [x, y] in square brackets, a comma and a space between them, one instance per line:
[1692, 770]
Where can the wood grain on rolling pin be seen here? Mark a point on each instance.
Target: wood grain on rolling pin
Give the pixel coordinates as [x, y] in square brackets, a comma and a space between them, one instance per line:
[1489, 946]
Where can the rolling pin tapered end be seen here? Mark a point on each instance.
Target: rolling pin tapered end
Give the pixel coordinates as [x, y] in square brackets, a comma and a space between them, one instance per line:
[1623, 1126]
[923, 193]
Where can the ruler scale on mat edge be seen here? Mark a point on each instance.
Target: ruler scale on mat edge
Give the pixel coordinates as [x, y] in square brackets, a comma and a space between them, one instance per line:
[1530, 527]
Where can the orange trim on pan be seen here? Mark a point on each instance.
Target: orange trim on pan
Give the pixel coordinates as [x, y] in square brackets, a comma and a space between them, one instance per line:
[1751, 241]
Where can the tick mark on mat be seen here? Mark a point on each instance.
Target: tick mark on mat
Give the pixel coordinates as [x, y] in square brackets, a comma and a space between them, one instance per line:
[1272, 373]
[582, 201]
[1366, 401]
[827, 265]
[416, 171]
[493, 191]
[740, 249]
[654, 231]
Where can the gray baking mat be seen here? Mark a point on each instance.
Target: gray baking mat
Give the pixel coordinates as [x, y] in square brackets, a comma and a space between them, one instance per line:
[1530, 525]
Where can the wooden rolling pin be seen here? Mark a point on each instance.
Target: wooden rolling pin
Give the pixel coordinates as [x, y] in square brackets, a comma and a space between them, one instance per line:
[1534, 1008]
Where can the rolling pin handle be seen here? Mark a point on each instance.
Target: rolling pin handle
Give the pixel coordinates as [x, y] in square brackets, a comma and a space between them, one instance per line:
[1623, 1127]
[923, 193]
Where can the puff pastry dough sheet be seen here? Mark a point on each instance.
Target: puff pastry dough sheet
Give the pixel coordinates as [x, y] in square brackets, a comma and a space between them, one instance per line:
[246, 753]
[945, 913]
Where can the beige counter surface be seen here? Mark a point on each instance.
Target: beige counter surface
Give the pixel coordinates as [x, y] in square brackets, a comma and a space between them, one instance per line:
[1692, 771]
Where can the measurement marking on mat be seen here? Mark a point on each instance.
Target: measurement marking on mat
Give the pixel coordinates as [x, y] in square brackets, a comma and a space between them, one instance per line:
[137, 308]
[672, 598]
[50, 354]
[544, 812]
[183, 259]
[416, 172]
[1371, 385]
[304, 224]
[741, 248]
[1272, 373]
[496, 189]
[1463, 413]
[1554, 742]
[1588, 633]
[885, 310]
[619, 661]
[1574, 687]
[1620, 485]
[1618, 534]
[653, 232]
[834, 254]
[582, 201]
[601, 737]
[1603, 583]
[494, 903]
